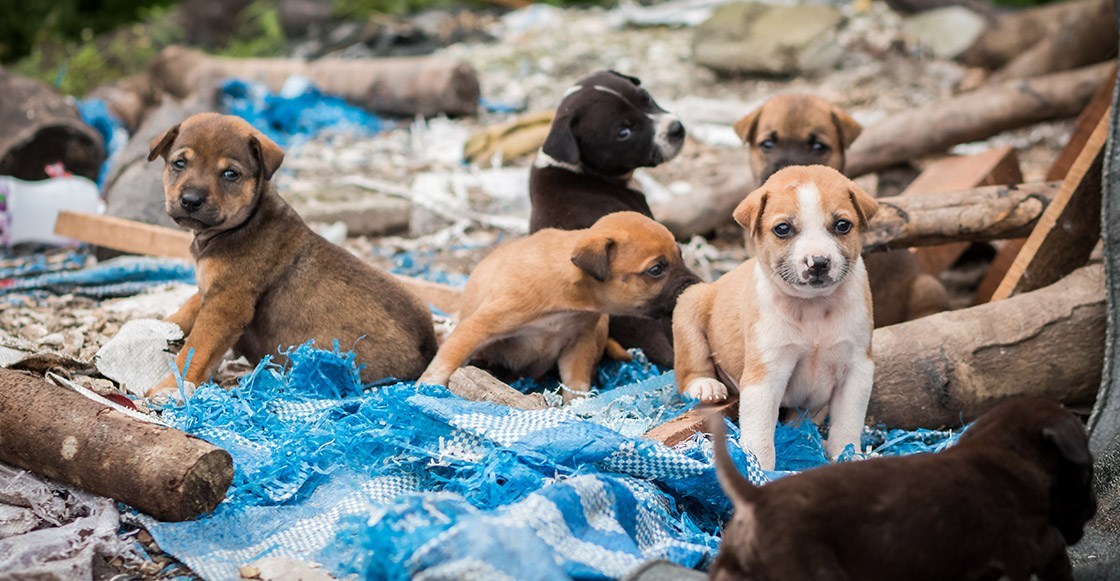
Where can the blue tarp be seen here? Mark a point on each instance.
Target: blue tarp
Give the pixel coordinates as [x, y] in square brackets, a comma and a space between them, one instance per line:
[399, 480]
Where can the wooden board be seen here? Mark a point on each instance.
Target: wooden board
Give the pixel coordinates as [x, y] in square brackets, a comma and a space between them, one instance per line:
[124, 235]
[1086, 122]
[994, 167]
[1068, 229]
[682, 427]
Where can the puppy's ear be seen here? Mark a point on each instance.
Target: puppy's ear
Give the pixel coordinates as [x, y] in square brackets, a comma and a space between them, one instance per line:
[593, 256]
[745, 128]
[634, 80]
[848, 128]
[749, 212]
[162, 143]
[866, 206]
[269, 155]
[1068, 436]
[561, 142]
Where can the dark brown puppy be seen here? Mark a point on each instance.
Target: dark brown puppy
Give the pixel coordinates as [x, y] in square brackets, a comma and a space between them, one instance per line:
[807, 130]
[607, 126]
[265, 280]
[1005, 501]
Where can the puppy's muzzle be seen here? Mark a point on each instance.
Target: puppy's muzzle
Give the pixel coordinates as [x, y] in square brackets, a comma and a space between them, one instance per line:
[818, 269]
[191, 200]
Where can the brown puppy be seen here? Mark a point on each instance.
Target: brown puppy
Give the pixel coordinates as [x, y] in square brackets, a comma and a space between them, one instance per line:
[806, 130]
[265, 280]
[541, 302]
[1005, 501]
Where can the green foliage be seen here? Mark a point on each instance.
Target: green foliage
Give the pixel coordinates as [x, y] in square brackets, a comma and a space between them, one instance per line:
[27, 24]
[258, 32]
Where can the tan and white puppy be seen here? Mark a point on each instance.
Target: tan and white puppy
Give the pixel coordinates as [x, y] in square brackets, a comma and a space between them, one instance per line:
[791, 327]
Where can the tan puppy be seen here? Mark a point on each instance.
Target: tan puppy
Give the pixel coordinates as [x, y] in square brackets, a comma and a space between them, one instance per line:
[541, 302]
[806, 130]
[265, 280]
[792, 326]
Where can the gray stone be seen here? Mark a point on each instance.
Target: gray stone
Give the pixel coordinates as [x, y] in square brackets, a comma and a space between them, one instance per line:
[945, 32]
[767, 39]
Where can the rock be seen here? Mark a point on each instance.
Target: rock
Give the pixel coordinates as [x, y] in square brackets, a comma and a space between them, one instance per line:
[370, 216]
[771, 40]
[945, 32]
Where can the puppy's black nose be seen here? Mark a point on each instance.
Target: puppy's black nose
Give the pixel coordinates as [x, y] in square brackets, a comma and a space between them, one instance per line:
[191, 200]
[676, 130]
[820, 266]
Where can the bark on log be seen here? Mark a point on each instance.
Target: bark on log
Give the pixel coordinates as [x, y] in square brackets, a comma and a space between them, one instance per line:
[129, 99]
[392, 86]
[942, 369]
[1086, 35]
[38, 127]
[978, 214]
[1014, 33]
[59, 434]
[707, 208]
[974, 116]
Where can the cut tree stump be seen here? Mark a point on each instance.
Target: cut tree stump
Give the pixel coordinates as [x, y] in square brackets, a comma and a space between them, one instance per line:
[994, 167]
[1068, 230]
[57, 433]
[1086, 123]
[39, 127]
[974, 116]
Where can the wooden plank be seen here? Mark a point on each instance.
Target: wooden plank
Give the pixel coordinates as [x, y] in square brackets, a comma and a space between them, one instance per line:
[1068, 229]
[682, 427]
[124, 235]
[1086, 122]
[994, 167]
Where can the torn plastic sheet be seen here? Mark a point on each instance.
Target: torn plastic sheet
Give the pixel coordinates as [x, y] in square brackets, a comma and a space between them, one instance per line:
[52, 531]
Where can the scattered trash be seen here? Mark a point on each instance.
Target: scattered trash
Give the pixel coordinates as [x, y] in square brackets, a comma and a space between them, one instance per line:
[96, 113]
[28, 210]
[138, 357]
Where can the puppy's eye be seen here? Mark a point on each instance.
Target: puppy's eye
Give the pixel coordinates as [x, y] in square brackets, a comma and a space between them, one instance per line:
[179, 164]
[767, 145]
[783, 230]
[624, 134]
[230, 175]
[656, 271]
[818, 147]
[842, 226]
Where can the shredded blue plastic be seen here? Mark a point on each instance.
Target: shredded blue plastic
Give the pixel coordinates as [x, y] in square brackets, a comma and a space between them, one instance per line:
[396, 480]
[124, 276]
[299, 112]
[96, 113]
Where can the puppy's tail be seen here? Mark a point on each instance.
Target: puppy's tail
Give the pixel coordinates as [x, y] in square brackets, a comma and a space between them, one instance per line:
[737, 488]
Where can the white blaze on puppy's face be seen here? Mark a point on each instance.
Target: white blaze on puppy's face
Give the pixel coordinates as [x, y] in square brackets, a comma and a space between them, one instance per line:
[816, 258]
[663, 138]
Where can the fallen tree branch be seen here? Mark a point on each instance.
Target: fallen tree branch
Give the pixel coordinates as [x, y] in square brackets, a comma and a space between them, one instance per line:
[59, 434]
[974, 116]
[950, 367]
[978, 214]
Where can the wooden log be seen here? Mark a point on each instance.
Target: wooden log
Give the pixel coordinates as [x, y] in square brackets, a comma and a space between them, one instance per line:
[993, 167]
[1086, 35]
[1069, 229]
[682, 427]
[129, 98]
[59, 434]
[1013, 33]
[405, 86]
[707, 208]
[950, 367]
[986, 213]
[1084, 127]
[478, 385]
[39, 127]
[974, 116]
[124, 235]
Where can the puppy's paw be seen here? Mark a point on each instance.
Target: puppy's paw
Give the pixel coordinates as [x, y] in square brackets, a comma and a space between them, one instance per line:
[167, 390]
[430, 377]
[571, 394]
[707, 390]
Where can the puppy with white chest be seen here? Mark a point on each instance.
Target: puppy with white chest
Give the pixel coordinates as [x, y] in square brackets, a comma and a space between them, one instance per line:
[808, 130]
[791, 327]
[606, 127]
[542, 302]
